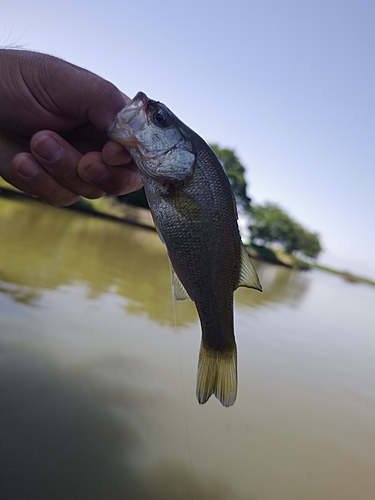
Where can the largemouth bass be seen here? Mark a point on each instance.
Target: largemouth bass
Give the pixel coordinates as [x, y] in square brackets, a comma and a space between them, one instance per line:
[195, 214]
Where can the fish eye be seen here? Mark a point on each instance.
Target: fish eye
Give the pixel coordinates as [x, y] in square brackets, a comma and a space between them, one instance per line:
[161, 118]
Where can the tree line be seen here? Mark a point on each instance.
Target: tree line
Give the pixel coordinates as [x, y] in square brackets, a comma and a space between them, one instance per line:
[269, 224]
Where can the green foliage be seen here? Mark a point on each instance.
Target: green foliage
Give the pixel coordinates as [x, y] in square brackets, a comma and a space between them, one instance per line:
[310, 244]
[263, 252]
[300, 264]
[236, 174]
[270, 224]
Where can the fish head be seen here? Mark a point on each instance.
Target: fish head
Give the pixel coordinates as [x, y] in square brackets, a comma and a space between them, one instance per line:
[156, 139]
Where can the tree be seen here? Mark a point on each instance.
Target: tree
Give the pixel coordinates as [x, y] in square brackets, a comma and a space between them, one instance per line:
[236, 174]
[310, 244]
[271, 224]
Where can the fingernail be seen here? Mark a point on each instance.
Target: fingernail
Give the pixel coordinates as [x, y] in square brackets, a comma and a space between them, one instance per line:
[48, 148]
[27, 169]
[96, 173]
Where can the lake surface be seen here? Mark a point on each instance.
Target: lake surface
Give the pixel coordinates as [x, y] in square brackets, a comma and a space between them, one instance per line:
[97, 379]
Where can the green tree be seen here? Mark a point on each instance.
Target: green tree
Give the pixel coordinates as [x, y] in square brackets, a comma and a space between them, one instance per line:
[271, 224]
[310, 244]
[236, 174]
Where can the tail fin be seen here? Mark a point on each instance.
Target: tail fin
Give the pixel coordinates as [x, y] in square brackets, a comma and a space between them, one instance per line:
[217, 374]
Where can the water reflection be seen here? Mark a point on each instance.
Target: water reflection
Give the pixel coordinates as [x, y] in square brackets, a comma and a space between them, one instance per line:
[280, 285]
[20, 293]
[69, 435]
[46, 248]
[97, 390]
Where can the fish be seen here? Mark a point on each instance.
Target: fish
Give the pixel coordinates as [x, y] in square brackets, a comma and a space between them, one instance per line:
[195, 215]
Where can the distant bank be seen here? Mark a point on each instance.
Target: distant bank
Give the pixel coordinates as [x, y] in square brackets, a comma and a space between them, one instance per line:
[108, 207]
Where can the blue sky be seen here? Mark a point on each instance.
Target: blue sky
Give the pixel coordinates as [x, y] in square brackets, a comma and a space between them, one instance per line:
[288, 84]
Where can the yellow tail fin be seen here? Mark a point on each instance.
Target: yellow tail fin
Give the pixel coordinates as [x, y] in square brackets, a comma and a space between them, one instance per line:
[217, 374]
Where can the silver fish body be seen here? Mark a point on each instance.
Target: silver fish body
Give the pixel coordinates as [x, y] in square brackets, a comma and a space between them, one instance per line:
[195, 214]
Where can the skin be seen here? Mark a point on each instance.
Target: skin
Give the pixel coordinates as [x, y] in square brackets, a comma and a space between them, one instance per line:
[53, 121]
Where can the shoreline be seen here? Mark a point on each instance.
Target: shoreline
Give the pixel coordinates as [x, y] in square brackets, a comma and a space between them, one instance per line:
[129, 214]
[109, 209]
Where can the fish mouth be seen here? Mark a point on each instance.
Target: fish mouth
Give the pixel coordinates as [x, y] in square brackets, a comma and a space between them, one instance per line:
[149, 158]
[129, 121]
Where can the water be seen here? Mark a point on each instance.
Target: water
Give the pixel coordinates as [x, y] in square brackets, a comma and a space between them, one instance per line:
[97, 384]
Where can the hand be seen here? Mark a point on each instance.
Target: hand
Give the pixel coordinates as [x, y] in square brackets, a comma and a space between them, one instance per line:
[53, 121]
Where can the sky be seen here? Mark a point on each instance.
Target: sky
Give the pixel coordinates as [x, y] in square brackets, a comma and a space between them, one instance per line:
[289, 85]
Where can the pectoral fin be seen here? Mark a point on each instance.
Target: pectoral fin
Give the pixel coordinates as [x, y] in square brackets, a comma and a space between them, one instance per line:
[179, 292]
[248, 274]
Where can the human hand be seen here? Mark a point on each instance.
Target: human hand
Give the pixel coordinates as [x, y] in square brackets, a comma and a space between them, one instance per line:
[53, 121]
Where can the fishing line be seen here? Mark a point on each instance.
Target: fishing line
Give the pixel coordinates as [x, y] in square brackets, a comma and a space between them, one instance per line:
[181, 372]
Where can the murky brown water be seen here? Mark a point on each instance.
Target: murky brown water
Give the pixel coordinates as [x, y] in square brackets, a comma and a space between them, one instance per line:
[97, 385]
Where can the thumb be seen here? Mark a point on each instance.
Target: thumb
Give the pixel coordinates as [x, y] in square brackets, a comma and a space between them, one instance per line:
[104, 101]
[80, 93]
[60, 96]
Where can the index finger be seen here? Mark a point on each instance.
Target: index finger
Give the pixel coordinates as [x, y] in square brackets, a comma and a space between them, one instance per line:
[114, 153]
[115, 179]
[60, 160]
